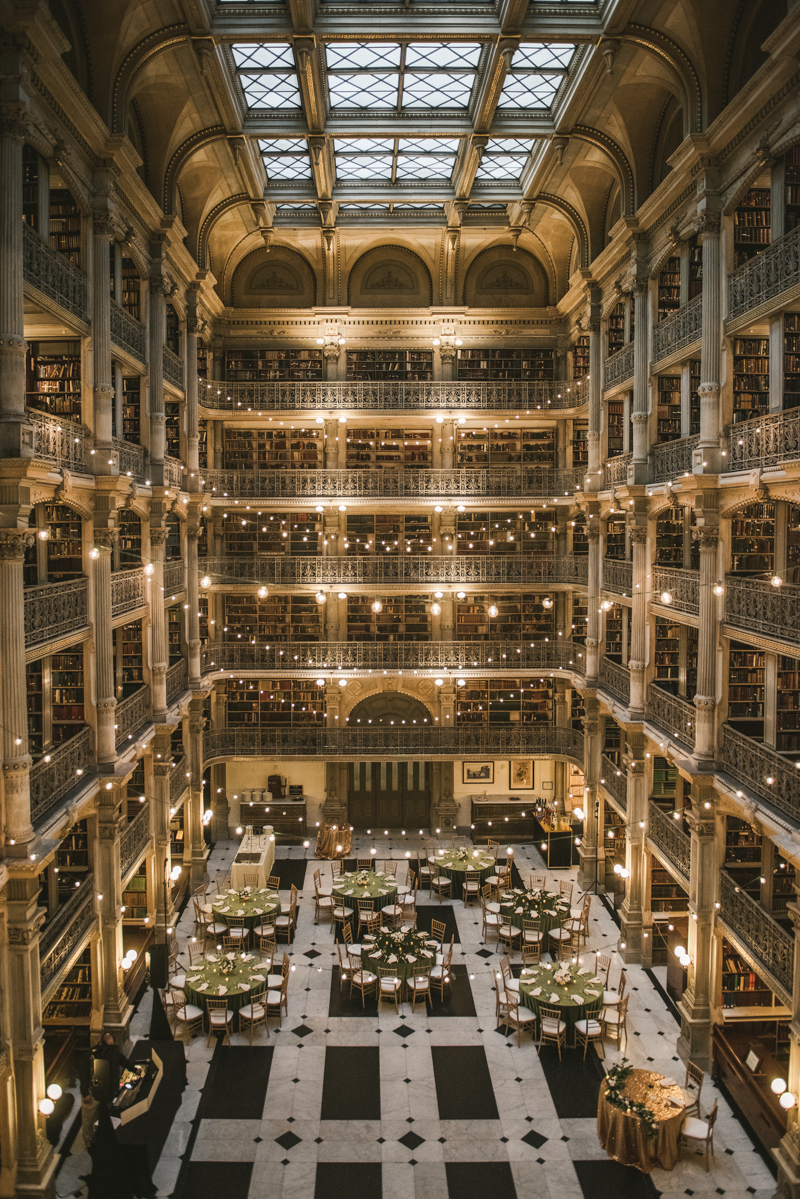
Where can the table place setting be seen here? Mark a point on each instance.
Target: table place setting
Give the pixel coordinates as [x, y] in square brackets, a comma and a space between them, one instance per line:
[366, 884]
[562, 986]
[248, 904]
[404, 950]
[520, 904]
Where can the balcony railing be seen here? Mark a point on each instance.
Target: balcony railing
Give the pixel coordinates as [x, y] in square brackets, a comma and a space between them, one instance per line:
[474, 741]
[176, 680]
[764, 771]
[127, 591]
[522, 398]
[132, 714]
[53, 275]
[615, 780]
[173, 577]
[51, 781]
[62, 442]
[679, 330]
[616, 679]
[54, 610]
[132, 459]
[178, 782]
[616, 470]
[173, 473]
[133, 839]
[618, 576]
[127, 332]
[765, 441]
[682, 585]
[671, 712]
[62, 934]
[379, 569]
[667, 835]
[757, 607]
[762, 937]
[673, 459]
[297, 657]
[619, 367]
[172, 367]
[390, 483]
[767, 276]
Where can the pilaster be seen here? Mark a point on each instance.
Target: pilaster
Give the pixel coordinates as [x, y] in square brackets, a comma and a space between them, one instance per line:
[16, 758]
[105, 703]
[707, 458]
[704, 700]
[637, 663]
[694, 1042]
[632, 947]
[16, 435]
[590, 850]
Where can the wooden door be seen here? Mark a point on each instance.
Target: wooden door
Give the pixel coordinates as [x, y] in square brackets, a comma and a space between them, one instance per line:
[389, 794]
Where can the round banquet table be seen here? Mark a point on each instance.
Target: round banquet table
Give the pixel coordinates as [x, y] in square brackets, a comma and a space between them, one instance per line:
[456, 867]
[378, 952]
[249, 978]
[381, 889]
[624, 1137]
[518, 905]
[247, 913]
[573, 999]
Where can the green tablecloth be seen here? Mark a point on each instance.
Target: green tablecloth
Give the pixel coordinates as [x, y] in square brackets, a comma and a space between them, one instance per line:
[455, 867]
[542, 976]
[247, 913]
[209, 972]
[400, 946]
[535, 905]
[380, 888]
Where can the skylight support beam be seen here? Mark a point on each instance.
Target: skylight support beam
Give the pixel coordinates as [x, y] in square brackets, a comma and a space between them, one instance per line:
[490, 85]
[312, 83]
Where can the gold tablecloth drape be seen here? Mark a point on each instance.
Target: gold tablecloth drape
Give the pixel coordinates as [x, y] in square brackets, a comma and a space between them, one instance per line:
[625, 1137]
[330, 837]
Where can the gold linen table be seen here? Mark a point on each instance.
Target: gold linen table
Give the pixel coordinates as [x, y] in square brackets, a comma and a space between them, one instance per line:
[625, 1138]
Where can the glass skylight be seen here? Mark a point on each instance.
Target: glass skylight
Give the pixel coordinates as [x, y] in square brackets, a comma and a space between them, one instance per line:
[401, 75]
[504, 158]
[537, 71]
[267, 75]
[285, 159]
[395, 159]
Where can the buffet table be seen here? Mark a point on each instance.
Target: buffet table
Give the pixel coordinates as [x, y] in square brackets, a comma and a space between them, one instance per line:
[254, 853]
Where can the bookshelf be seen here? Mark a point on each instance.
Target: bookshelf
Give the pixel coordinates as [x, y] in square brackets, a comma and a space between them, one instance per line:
[176, 835]
[173, 331]
[741, 986]
[612, 741]
[202, 445]
[275, 702]
[783, 889]
[695, 268]
[72, 860]
[751, 225]
[504, 701]
[750, 377]
[580, 616]
[665, 894]
[392, 534]
[616, 329]
[35, 706]
[65, 225]
[172, 546]
[746, 689]
[753, 540]
[580, 542]
[67, 682]
[506, 447]
[669, 538]
[264, 366]
[692, 648]
[519, 618]
[791, 359]
[742, 850]
[497, 532]
[370, 448]
[577, 710]
[667, 655]
[694, 398]
[275, 619]
[64, 546]
[135, 897]
[131, 408]
[788, 726]
[615, 537]
[669, 408]
[505, 364]
[791, 166]
[130, 539]
[279, 533]
[616, 427]
[402, 618]
[175, 633]
[202, 359]
[172, 427]
[272, 449]
[131, 289]
[31, 182]
[397, 365]
[580, 443]
[72, 1003]
[129, 653]
[792, 544]
[665, 779]
[613, 644]
[669, 287]
[580, 357]
[53, 378]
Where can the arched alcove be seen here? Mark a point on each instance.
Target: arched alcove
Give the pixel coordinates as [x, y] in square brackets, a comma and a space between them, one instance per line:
[501, 277]
[279, 279]
[389, 277]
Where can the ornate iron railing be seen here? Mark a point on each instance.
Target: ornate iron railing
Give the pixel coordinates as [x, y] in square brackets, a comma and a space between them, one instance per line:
[55, 609]
[765, 772]
[766, 441]
[392, 482]
[775, 270]
[173, 473]
[617, 576]
[615, 780]
[671, 712]
[758, 607]
[682, 585]
[52, 780]
[619, 367]
[616, 470]
[173, 577]
[318, 571]
[127, 591]
[761, 936]
[616, 679]
[178, 782]
[172, 367]
[65, 930]
[667, 835]
[60, 441]
[132, 714]
[473, 741]
[127, 332]
[672, 459]
[53, 275]
[298, 657]
[132, 459]
[523, 398]
[133, 839]
[176, 680]
[679, 330]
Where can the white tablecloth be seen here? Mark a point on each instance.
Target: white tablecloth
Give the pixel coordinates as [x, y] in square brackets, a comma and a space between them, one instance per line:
[264, 846]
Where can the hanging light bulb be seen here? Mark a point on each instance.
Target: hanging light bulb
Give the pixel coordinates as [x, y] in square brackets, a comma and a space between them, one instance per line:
[320, 597]
[436, 609]
[377, 606]
[493, 610]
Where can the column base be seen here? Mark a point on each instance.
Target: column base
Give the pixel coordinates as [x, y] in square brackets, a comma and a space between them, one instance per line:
[43, 1187]
[630, 945]
[787, 1158]
[638, 474]
[694, 1042]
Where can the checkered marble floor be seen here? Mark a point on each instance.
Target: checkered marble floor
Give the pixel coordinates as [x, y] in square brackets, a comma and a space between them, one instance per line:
[401, 1146]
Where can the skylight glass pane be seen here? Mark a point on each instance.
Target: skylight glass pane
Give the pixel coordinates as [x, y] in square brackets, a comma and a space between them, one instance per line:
[500, 166]
[265, 56]
[363, 91]
[281, 145]
[529, 91]
[428, 166]
[429, 145]
[363, 208]
[362, 166]
[349, 56]
[437, 91]
[537, 56]
[438, 55]
[287, 168]
[271, 91]
[509, 145]
[305, 207]
[365, 145]
[422, 207]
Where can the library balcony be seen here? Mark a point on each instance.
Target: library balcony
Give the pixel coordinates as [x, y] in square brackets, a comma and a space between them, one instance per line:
[174, 582]
[390, 483]
[176, 680]
[173, 473]
[64, 937]
[672, 459]
[134, 842]
[128, 591]
[172, 367]
[302, 659]
[127, 333]
[673, 713]
[615, 781]
[616, 470]
[683, 586]
[671, 845]
[379, 569]
[60, 442]
[766, 281]
[69, 766]
[132, 459]
[617, 576]
[53, 611]
[772, 776]
[758, 935]
[178, 781]
[615, 679]
[618, 367]
[756, 606]
[678, 332]
[53, 275]
[765, 441]
[131, 714]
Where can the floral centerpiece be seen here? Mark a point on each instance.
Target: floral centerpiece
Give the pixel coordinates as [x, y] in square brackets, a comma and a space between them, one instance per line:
[402, 944]
[245, 893]
[362, 878]
[226, 965]
[462, 855]
[563, 976]
[616, 1079]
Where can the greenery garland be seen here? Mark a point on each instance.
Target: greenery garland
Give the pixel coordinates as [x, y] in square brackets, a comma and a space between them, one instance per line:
[615, 1084]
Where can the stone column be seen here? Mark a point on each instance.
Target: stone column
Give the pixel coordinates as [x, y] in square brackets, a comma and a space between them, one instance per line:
[593, 627]
[631, 914]
[158, 624]
[447, 355]
[331, 445]
[590, 849]
[708, 450]
[194, 327]
[448, 430]
[162, 757]
[117, 1010]
[704, 700]
[16, 435]
[160, 288]
[444, 809]
[694, 1043]
[104, 461]
[593, 473]
[106, 701]
[16, 759]
[640, 378]
[193, 815]
[638, 660]
[193, 599]
[787, 1155]
[334, 810]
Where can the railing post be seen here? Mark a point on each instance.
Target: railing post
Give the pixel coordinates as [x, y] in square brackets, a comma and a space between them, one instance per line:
[638, 659]
[106, 702]
[706, 829]
[704, 700]
[708, 451]
[632, 946]
[787, 1155]
[593, 475]
[589, 849]
[16, 758]
[640, 370]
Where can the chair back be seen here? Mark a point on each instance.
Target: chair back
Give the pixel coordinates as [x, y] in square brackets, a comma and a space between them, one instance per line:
[364, 864]
[531, 953]
[472, 876]
[274, 882]
[317, 878]
[348, 933]
[219, 1004]
[532, 925]
[566, 890]
[250, 878]
[623, 978]
[538, 882]
[336, 867]
[390, 866]
[694, 1079]
[366, 905]
[387, 972]
[505, 969]
[353, 962]
[229, 942]
[549, 1013]
[438, 929]
[267, 948]
[602, 964]
[286, 966]
[712, 1118]
[409, 920]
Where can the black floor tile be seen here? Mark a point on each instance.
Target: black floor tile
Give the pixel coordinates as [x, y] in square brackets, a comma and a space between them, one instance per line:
[480, 1180]
[442, 912]
[463, 1083]
[606, 1177]
[344, 1180]
[211, 1180]
[351, 1087]
[290, 870]
[236, 1084]
[458, 1002]
[574, 1083]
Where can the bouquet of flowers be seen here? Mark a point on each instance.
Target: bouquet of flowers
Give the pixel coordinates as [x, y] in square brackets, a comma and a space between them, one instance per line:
[562, 976]
[244, 894]
[615, 1085]
[362, 878]
[462, 854]
[226, 966]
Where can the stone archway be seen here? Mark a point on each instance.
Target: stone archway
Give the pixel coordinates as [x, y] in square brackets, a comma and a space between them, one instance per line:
[394, 794]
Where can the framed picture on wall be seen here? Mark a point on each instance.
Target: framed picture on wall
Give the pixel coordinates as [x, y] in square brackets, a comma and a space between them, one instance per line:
[477, 772]
[520, 774]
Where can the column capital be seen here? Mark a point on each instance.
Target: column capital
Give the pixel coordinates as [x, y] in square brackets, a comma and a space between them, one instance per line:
[13, 544]
[709, 226]
[105, 539]
[638, 536]
[593, 532]
[708, 536]
[158, 538]
[15, 123]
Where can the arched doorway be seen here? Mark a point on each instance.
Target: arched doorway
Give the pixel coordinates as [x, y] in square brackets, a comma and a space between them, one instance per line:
[392, 794]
